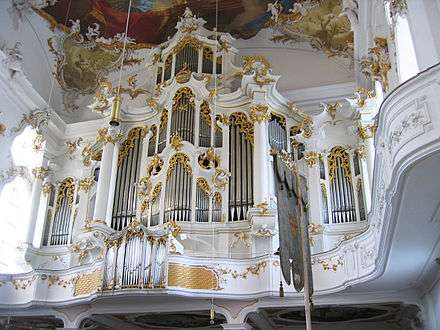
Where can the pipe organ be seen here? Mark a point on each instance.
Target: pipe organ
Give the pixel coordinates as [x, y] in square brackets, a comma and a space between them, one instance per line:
[206, 157]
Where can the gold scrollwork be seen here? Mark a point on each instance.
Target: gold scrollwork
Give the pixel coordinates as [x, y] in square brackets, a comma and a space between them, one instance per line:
[40, 172]
[183, 94]
[244, 125]
[259, 113]
[335, 154]
[377, 64]
[137, 133]
[183, 160]
[86, 183]
[220, 178]
[279, 118]
[203, 184]
[312, 158]
[209, 159]
[264, 208]
[155, 165]
[66, 190]
[259, 66]
[176, 141]
[367, 131]
[255, 270]
[361, 151]
[47, 188]
[187, 41]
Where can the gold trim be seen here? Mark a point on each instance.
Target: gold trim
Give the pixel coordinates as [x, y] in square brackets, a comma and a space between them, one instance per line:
[87, 283]
[335, 154]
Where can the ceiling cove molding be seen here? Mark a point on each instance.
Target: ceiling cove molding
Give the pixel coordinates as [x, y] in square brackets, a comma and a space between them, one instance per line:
[313, 96]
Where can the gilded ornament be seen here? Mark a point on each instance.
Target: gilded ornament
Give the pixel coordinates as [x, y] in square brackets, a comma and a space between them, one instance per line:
[183, 100]
[184, 75]
[312, 158]
[367, 131]
[203, 185]
[315, 229]
[47, 188]
[152, 103]
[324, 189]
[40, 172]
[135, 134]
[155, 165]
[335, 154]
[243, 237]
[361, 96]
[285, 157]
[258, 66]
[205, 113]
[245, 126]
[176, 141]
[220, 178]
[279, 118]
[66, 190]
[361, 151]
[217, 198]
[209, 159]
[182, 159]
[3, 128]
[264, 208]
[331, 108]
[86, 183]
[72, 146]
[37, 119]
[87, 283]
[187, 41]
[377, 64]
[255, 270]
[175, 229]
[328, 264]
[264, 232]
[259, 113]
[193, 277]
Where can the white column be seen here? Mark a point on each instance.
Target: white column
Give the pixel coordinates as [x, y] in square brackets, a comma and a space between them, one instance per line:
[112, 184]
[261, 174]
[314, 194]
[39, 174]
[369, 144]
[103, 182]
[424, 25]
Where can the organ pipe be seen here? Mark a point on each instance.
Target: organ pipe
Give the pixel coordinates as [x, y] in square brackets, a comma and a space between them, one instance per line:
[129, 160]
[63, 210]
[240, 166]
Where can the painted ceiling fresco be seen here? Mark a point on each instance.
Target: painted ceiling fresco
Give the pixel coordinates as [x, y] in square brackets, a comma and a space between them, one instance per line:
[153, 21]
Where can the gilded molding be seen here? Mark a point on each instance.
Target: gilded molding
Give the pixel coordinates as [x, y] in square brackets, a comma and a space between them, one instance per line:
[335, 154]
[181, 158]
[203, 184]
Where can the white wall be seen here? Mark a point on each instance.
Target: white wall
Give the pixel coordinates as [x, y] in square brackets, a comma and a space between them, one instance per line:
[431, 304]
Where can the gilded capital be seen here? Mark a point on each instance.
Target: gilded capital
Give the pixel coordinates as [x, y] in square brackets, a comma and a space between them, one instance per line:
[47, 188]
[311, 158]
[86, 183]
[367, 131]
[40, 172]
[259, 113]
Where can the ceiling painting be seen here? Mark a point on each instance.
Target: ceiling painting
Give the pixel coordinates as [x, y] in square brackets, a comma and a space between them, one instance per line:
[153, 21]
[320, 23]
